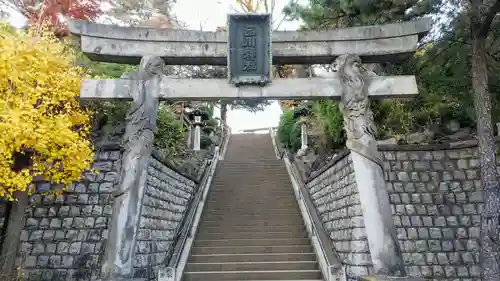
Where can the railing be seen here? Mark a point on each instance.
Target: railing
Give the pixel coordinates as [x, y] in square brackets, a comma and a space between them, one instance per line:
[185, 237]
[278, 148]
[226, 134]
[184, 121]
[328, 258]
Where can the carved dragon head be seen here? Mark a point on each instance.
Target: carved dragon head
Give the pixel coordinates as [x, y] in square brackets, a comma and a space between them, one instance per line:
[348, 61]
[151, 65]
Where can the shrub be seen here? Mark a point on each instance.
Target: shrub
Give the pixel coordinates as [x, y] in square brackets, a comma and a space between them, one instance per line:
[170, 135]
[289, 131]
[327, 124]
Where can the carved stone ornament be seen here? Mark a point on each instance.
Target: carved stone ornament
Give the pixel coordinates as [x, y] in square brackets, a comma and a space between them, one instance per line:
[170, 272]
[355, 107]
[138, 145]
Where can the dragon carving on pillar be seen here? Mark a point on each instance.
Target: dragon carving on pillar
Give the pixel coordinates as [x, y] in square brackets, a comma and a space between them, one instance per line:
[355, 107]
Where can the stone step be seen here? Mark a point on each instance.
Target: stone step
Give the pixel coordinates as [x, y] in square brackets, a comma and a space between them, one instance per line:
[252, 184]
[232, 220]
[258, 235]
[261, 172]
[238, 169]
[254, 223]
[263, 166]
[251, 242]
[249, 158]
[251, 218]
[248, 266]
[247, 200]
[252, 198]
[256, 209]
[231, 167]
[258, 165]
[295, 220]
[225, 192]
[257, 206]
[254, 193]
[271, 228]
[233, 203]
[249, 275]
[268, 257]
[251, 188]
[234, 167]
[205, 250]
[273, 189]
[271, 280]
[249, 211]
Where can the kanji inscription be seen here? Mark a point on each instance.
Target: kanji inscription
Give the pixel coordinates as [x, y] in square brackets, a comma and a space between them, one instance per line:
[249, 52]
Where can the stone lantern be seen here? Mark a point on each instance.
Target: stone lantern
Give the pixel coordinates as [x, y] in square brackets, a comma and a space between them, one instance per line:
[197, 117]
[301, 113]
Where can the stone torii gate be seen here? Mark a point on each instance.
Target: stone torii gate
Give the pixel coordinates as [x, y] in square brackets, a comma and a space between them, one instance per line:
[249, 49]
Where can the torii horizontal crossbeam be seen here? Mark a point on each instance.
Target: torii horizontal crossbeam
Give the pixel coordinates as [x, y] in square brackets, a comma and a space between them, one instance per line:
[219, 89]
[374, 44]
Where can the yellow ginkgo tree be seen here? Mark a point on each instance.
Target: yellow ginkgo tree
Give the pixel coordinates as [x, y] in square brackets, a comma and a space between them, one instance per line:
[44, 132]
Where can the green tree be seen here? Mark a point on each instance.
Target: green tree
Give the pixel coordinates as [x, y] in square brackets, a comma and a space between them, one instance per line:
[433, 105]
[318, 14]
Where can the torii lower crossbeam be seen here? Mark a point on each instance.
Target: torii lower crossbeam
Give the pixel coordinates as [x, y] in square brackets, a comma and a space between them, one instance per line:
[218, 89]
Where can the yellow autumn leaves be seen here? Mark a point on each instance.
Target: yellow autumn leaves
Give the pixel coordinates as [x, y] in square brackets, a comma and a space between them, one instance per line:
[40, 116]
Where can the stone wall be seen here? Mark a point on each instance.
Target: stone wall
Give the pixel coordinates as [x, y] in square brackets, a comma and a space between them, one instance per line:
[436, 201]
[165, 203]
[335, 195]
[64, 239]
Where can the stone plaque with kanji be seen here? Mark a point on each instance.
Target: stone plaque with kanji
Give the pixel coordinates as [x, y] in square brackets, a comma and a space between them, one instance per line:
[249, 49]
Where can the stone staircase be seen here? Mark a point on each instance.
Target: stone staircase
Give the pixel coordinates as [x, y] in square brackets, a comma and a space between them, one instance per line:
[251, 228]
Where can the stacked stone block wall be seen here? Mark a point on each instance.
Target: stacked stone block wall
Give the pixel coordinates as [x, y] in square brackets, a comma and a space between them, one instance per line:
[436, 200]
[335, 195]
[64, 238]
[165, 204]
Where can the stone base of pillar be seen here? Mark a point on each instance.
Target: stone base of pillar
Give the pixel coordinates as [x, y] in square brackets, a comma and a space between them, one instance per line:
[389, 278]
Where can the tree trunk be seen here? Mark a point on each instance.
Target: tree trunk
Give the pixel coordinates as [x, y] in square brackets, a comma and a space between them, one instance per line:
[487, 154]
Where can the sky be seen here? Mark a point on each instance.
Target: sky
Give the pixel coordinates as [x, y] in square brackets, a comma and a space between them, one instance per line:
[210, 14]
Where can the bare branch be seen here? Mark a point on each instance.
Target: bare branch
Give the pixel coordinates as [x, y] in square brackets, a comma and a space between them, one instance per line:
[280, 22]
[202, 24]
